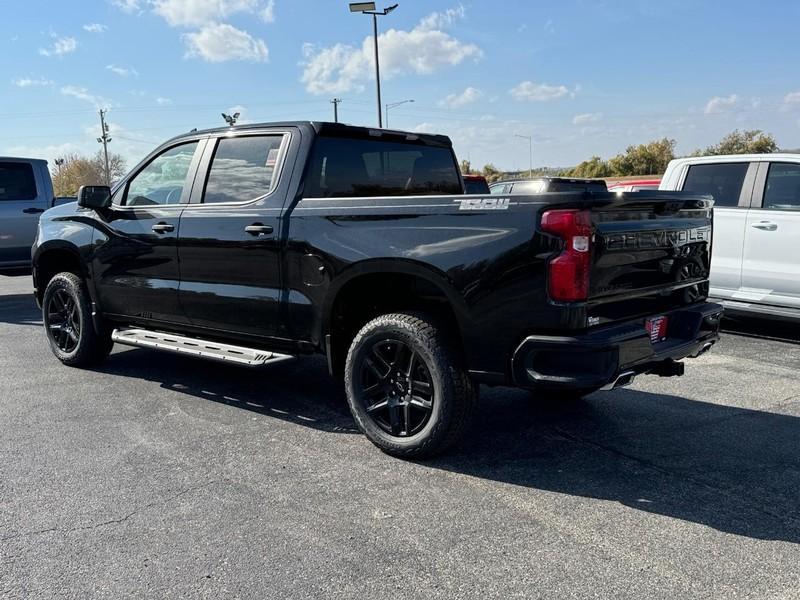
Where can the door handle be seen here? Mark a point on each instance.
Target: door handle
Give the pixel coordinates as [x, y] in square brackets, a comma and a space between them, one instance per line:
[766, 225]
[258, 229]
[163, 227]
[32, 211]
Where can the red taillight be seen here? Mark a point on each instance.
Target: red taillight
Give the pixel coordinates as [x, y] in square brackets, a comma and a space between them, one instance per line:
[568, 279]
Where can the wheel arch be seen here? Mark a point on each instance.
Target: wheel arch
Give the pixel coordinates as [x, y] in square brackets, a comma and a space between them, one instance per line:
[428, 288]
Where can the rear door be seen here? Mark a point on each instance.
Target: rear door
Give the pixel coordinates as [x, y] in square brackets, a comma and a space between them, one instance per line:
[771, 268]
[229, 244]
[731, 185]
[22, 199]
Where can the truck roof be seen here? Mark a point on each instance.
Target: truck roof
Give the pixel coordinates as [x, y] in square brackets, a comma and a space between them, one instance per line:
[713, 158]
[22, 159]
[334, 129]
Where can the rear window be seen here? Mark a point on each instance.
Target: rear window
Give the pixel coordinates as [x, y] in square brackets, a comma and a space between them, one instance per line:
[577, 186]
[528, 187]
[723, 181]
[475, 186]
[342, 167]
[16, 181]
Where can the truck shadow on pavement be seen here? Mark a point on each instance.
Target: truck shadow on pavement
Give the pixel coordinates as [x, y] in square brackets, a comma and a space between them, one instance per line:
[19, 309]
[733, 469]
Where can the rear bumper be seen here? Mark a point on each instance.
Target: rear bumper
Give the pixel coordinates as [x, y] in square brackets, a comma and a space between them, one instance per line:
[599, 358]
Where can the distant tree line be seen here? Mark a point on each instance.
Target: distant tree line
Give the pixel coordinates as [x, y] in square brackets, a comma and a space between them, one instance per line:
[71, 171]
[651, 158]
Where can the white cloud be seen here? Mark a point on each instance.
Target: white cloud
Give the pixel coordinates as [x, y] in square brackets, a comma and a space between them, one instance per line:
[468, 96]
[720, 104]
[122, 71]
[587, 118]
[200, 12]
[24, 82]
[425, 128]
[538, 92]
[219, 42]
[792, 100]
[61, 46]
[422, 50]
[268, 12]
[161, 101]
[95, 27]
[81, 93]
[128, 6]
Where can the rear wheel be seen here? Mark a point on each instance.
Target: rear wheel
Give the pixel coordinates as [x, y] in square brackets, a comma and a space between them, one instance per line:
[406, 387]
[67, 316]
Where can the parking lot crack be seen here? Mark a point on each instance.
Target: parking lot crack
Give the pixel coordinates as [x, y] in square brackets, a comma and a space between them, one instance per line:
[116, 521]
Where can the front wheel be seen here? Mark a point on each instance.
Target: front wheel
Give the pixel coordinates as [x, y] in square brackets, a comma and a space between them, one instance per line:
[67, 316]
[406, 387]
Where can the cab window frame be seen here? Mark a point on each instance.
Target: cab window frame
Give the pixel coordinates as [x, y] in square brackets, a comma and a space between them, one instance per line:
[122, 188]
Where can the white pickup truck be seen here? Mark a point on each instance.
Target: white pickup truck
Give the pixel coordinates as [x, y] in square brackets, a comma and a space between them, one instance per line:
[755, 265]
[26, 191]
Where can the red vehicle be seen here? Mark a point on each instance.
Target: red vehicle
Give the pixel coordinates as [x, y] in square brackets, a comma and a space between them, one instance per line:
[475, 184]
[636, 185]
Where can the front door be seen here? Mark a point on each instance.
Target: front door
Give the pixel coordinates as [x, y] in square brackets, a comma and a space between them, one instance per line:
[771, 270]
[136, 254]
[22, 200]
[229, 244]
[731, 186]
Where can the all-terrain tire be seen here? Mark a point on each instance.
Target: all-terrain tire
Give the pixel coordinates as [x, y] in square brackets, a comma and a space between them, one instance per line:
[67, 317]
[452, 394]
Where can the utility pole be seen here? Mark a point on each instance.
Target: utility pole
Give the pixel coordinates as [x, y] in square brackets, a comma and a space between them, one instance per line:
[104, 139]
[335, 103]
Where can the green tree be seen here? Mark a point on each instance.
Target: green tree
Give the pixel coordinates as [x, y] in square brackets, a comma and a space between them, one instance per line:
[749, 141]
[594, 167]
[491, 173]
[466, 166]
[645, 159]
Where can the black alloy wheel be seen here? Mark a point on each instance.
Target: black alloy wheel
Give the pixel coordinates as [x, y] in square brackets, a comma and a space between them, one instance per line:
[63, 320]
[395, 388]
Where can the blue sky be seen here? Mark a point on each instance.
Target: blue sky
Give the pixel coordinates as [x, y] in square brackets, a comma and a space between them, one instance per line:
[583, 78]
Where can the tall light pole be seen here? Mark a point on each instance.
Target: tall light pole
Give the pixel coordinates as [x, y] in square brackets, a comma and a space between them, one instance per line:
[530, 152]
[335, 103]
[392, 105]
[368, 8]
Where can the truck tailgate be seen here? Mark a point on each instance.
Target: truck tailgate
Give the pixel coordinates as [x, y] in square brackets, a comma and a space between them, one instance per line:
[651, 252]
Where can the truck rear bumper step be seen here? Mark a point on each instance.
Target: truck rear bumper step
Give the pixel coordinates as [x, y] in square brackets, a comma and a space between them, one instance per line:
[239, 355]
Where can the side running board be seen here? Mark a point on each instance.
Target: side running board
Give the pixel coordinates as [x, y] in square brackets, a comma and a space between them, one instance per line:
[197, 347]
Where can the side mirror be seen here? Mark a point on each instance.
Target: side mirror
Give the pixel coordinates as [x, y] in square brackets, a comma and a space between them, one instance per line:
[94, 196]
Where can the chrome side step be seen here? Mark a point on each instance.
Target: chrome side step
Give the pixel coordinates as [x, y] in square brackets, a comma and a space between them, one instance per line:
[196, 347]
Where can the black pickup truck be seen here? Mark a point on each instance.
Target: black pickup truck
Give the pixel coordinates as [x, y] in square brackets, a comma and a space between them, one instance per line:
[259, 243]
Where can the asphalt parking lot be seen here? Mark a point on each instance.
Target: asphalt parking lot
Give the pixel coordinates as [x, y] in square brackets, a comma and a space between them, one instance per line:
[157, 476]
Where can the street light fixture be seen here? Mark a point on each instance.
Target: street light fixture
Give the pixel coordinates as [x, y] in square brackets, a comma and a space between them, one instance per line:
[392, 105]
[368, 8]
[530, 152]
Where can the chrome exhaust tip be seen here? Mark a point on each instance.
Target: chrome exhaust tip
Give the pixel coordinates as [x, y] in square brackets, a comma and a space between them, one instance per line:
[623, 379]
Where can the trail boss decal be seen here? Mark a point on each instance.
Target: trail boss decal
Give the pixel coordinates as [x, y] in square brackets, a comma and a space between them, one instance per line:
[483, 204]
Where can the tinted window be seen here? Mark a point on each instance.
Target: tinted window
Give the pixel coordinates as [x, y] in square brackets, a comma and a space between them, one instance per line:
[341, 167]
[783, 187]
[475, 186]
[577, 186]
[16, 181]
[163, 179]
[723, 181]
[528, 187]
[242, 169]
